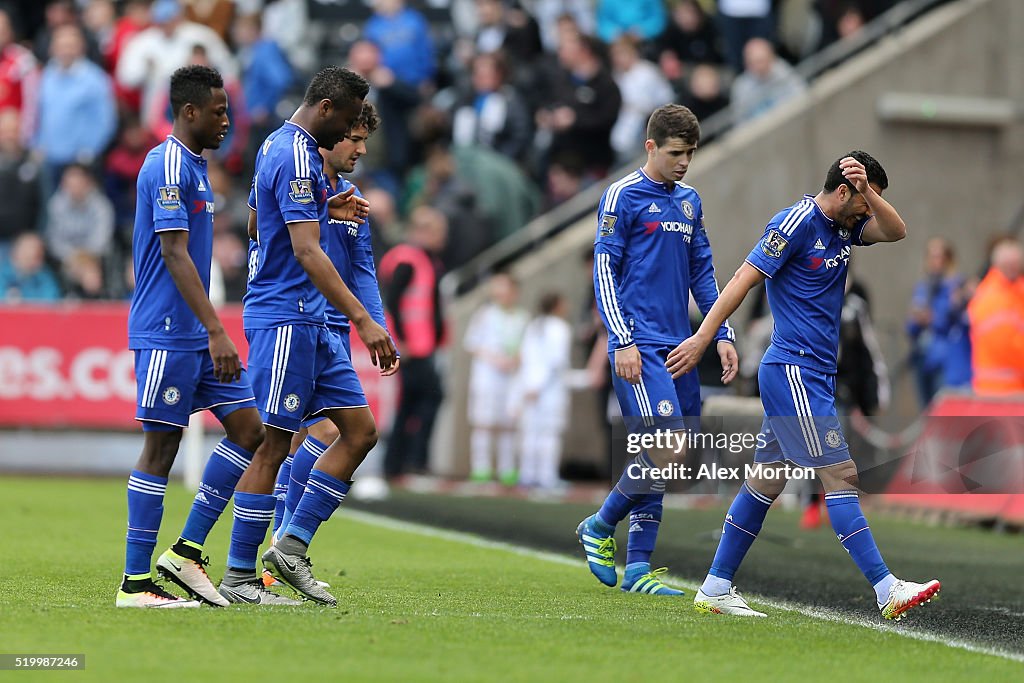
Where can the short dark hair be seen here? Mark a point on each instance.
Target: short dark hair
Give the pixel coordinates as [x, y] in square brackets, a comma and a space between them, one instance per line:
[548, 303]
[673, 121]
[337, 84]
[876, 174]
[368, 119]
[193, 85]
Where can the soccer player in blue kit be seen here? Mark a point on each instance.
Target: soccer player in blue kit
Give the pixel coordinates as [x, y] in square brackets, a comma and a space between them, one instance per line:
[349, 246]
[804, 254]
[184, 360]
[650, 253]
[299, 368]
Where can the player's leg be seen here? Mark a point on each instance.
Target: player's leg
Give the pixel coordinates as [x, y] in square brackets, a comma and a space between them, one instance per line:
[743, 522]
[842, 498]
[284, 476]
[645, 516]
[308, 445]
[146, 487]
[780, 438]
[311, 441]
[339, 396]
[164, 384]
[282, 384]
[326, 488]
[597, 532]
[234, 405]
[839, 478]
[320, 434]
[253, 513]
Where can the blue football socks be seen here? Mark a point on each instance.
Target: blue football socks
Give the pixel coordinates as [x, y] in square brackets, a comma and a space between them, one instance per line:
[644, 523]
[281, 491]
[743, 522]
[253, 514]
[145, 510]
[626, 492]
[322, 497]
[223, 470]
[854, 534]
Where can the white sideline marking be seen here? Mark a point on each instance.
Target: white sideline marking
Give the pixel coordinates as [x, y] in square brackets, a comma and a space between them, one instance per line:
[555, 558]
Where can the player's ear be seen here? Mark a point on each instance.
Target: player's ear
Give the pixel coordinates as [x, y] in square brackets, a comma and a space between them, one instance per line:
[650, 146]
[325, 107]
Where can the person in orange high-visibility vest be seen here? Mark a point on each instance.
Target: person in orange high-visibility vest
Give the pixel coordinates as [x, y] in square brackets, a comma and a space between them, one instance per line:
[409, 275]
[997, 323]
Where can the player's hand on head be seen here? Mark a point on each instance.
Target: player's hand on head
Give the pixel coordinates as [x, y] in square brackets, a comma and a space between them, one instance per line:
[855, 172]
[685, 357]
[627, 364]
[347, 206]
[730, 361]
[226, 365]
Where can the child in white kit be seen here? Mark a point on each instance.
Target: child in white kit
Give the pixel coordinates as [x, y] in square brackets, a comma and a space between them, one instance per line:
[493, 337]
[542, 389]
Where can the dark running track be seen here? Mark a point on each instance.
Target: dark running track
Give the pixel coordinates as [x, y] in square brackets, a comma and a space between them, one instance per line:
[982, 573]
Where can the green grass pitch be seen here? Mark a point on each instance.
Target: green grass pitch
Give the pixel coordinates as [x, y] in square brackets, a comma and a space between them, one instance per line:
[413, 607]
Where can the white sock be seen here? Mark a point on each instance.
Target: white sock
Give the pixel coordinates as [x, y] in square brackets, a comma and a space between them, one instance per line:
[480, 450]
[714, 586]
[549, 454]
[882, 589]
[528, 459]
[506, 452]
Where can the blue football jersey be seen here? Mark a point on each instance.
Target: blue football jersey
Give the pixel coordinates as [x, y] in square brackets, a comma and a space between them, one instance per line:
[805, 258]
[173, 194]
[350, 249]
[650, 252]
[288, 187]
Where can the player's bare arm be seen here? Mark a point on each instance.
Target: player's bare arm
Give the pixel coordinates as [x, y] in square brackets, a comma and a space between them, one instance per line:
[348, 206]
[887, 225]
[688, 353]
[305, 237]
[174, 249]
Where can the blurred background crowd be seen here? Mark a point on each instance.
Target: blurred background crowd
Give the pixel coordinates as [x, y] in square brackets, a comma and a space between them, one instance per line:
[493, 110]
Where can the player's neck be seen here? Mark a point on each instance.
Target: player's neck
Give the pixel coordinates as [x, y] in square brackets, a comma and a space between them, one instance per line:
[189, 141]
[826, 204]
[651, 173]
[305, 118]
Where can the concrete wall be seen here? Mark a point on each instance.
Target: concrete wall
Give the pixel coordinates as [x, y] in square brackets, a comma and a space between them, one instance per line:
[957, 181]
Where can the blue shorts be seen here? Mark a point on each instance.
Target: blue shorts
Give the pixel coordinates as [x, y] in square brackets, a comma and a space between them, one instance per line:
[298, 371]
[657, 401]
[344, 333]
[800, 423]
[171, 385]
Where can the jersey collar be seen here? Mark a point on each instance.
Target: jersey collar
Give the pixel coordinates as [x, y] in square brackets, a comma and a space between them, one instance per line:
[305, 132]
[818, 209]
[667, 188]
[182, 145]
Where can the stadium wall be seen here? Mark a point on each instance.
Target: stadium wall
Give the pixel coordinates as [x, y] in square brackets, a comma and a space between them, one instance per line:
[961, 181]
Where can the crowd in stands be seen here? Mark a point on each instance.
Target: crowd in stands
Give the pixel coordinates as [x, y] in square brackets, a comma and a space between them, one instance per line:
[966, 330]
[493, 110]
